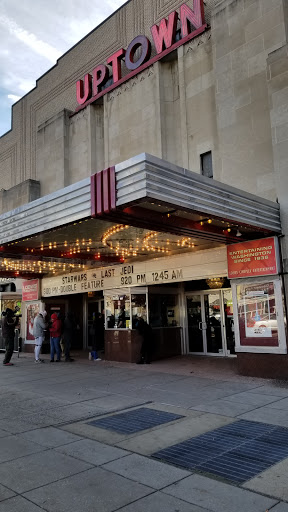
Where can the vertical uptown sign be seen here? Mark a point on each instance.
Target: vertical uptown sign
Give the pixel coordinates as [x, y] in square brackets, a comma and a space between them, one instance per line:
[164, 36]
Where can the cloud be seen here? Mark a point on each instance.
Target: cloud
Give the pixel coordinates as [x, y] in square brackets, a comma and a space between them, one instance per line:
[13, 97]
[33, 35]
[38, 46]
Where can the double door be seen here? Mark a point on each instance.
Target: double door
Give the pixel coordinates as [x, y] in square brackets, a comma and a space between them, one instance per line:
[210, 324]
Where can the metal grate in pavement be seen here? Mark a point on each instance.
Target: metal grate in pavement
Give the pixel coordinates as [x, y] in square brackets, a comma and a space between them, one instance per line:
[134, 421]
[235, 452]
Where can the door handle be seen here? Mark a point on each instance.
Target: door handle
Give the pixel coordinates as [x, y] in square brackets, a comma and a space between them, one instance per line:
[202, 326]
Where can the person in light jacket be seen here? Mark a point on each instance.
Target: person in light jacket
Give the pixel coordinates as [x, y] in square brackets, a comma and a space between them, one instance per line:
[39, 327]
[55, 336]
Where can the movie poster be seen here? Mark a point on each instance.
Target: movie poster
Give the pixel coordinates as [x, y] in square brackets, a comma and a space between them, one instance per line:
[258, 324]
[32, 312]
[257, 315]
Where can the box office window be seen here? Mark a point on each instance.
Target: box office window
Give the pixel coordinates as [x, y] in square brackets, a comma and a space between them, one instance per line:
[124, 306]
[138, 307]
[117, 310]
[163, 310]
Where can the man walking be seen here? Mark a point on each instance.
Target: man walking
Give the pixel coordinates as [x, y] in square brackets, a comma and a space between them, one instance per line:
[38, 333]
[9, 323]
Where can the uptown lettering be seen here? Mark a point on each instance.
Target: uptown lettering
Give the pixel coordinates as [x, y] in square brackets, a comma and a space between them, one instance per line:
[164, 37]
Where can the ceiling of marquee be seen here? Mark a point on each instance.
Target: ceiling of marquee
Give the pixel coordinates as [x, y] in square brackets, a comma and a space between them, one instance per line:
[97, 242]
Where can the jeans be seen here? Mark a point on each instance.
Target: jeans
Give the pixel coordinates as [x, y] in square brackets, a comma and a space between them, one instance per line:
[55, 347]
[38, 345]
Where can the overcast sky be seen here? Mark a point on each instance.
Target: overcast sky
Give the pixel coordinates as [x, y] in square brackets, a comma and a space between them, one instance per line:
[34, 34]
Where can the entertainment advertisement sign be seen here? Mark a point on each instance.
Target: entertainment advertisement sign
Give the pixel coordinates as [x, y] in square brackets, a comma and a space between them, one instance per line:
[253, 258]
[30, 290]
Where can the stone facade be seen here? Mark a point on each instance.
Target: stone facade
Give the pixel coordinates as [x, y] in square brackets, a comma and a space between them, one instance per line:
[212, 94]
[226, 91]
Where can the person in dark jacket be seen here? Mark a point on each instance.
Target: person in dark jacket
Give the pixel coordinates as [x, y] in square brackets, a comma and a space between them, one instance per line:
[9, 322]
[97, 335]
[55, 335]
[68, 333]
[146, 332]
[122, 318]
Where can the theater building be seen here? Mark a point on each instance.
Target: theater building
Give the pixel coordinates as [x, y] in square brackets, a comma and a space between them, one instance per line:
[147, 173]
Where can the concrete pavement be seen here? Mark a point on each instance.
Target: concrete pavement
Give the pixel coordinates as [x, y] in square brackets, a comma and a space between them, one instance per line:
[55, 457]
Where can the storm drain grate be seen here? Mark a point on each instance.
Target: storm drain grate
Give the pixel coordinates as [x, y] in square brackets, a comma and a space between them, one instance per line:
[236, 452]
[134, 421]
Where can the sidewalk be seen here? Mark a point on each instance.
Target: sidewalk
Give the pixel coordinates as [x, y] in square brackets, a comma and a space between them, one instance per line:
[98, 436]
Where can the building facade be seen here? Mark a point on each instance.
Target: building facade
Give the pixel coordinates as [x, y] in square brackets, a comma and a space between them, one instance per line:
[166, 125]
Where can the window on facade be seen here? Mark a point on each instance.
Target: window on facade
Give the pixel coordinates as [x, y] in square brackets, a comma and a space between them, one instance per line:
[117, 306]
[163, 310]
[206, 164]
[123, 305]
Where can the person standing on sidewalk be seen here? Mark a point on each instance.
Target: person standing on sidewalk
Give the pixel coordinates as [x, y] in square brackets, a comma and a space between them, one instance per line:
[68, 334]
[55, 336]
[39, 327]
[95, 334]
[9, 323]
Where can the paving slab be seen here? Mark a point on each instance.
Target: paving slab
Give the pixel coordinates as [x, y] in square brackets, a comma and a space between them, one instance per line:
[135, 379]
[164, 397]
[225, 408]
[158, 439]
[91, 490]
[73, 394]
[13, 397]
[280, 404]
[5, 493]
[29, 472]
[236, 387]
[42, 418]
[93, 452]
[13, 447]
[185, 383]
[4, 434]
[19, 504]
[273, 481]
[17, 426]
[255, 399]
[217, 496]
[42, 403]
[146, 471]
[74, 412]
[270, 389]
[281, 507]
[50, 437]
[194, 396]
[114, 402]
[267, 414]
[163, 503]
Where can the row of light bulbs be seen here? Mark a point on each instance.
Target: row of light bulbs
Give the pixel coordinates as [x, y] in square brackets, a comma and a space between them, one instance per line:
[150, 243]
[38, 267]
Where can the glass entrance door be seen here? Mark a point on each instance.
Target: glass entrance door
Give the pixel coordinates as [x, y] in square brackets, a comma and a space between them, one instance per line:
[213, 331]
[194, 314]
[210, 328]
